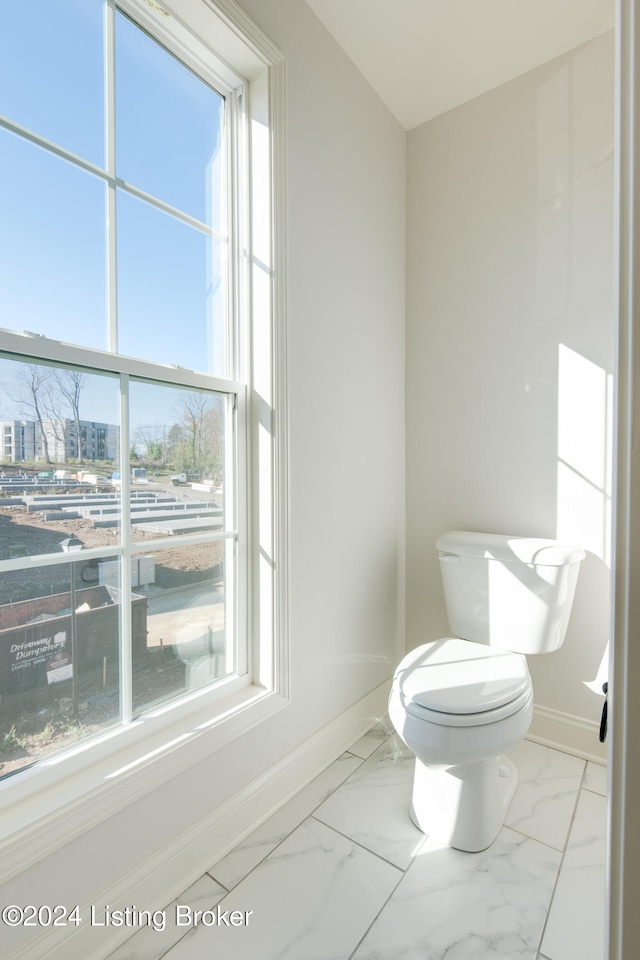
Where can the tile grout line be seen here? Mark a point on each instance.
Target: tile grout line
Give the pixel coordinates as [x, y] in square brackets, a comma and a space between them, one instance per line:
[160, 956]
[403, 874]
[361, 845]
[167, 952]
[211, 877]
[561, 864]
[293, 829]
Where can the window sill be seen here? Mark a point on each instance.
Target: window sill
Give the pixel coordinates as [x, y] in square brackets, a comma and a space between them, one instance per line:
[58, 799]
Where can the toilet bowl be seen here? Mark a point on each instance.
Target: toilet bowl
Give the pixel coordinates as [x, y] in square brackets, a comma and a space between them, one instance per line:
[459, 704]
[459, 713]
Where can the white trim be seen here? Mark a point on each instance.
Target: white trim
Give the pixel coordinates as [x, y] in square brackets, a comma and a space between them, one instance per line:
[125, 645]
[623, 918]
[277, 112]
[91, 783]
[107, 175]
[175, 866]
[111, 212]
[48, 350]
[95, 553]
[164, 24]
[568, 733]
[250, 34]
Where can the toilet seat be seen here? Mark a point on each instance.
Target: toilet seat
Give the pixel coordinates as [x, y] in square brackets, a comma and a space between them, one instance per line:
[470, 719]
[458, 683]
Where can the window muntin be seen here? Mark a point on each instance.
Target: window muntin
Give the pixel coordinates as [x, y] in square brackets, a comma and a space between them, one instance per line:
[52, 72]
[186, 631]
[188, 339]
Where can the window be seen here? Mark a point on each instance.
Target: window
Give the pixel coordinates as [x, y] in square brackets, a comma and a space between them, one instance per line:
[142, 474]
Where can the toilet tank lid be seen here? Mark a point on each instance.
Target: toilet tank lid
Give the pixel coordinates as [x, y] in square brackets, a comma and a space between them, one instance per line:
[507, 549]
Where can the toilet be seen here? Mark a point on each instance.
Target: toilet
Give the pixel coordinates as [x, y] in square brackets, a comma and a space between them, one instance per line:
[461, 702]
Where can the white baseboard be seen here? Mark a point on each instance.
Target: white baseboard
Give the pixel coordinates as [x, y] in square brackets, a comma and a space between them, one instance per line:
[553, 728]
[175, 866]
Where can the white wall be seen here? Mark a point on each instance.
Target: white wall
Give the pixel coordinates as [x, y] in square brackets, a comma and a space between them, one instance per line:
[345, 315]
[510, 340]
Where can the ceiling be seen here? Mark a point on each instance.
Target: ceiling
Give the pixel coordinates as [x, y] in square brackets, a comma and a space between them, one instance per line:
[424, 57]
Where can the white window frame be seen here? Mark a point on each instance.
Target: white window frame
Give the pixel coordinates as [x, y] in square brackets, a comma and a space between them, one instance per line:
[46, 805]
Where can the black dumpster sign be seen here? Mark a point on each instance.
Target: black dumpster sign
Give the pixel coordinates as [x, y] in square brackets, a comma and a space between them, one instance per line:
[33, 633]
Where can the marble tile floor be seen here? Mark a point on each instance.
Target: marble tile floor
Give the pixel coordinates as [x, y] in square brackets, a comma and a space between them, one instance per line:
[340, 873]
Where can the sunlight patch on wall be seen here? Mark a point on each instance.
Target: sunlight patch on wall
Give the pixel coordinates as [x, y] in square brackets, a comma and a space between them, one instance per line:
[584, 453]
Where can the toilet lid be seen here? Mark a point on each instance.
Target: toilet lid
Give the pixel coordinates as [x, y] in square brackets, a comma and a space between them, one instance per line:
[455, 676]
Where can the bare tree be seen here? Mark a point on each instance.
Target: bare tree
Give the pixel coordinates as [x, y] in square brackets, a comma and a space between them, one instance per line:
[70, 384]
[35, 381]
[213, 436]
[196, 440]
[54, 410]
[192, 409]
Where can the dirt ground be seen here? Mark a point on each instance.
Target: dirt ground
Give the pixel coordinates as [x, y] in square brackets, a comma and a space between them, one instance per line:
[29, 534]
[34, 730]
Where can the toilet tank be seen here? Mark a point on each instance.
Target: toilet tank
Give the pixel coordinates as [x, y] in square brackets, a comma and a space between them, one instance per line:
[510, 592]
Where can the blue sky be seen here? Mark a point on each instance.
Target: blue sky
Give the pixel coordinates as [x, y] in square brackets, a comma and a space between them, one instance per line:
[53, 214]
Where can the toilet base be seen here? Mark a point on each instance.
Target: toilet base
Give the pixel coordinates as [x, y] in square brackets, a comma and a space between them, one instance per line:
[463, 806]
